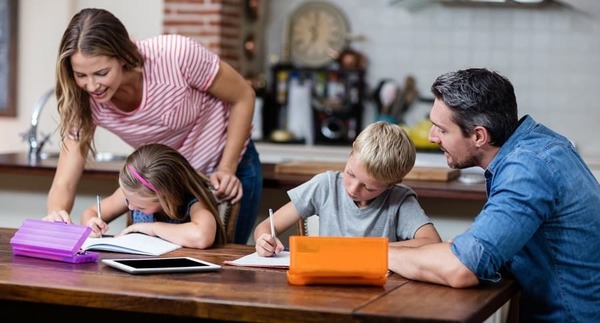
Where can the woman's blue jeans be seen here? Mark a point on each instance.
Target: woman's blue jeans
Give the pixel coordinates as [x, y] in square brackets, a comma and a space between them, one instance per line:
[250, 174]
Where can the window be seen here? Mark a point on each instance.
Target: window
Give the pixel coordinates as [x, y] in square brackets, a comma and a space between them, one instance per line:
[8, 57]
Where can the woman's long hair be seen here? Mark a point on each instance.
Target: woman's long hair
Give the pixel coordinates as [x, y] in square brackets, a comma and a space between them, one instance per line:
[91, 32]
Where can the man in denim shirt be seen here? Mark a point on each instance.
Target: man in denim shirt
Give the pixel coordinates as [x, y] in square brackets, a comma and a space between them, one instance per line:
[541, 221]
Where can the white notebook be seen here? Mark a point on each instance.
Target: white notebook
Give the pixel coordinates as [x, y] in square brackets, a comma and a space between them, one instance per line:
[281, 260]
[134, 243]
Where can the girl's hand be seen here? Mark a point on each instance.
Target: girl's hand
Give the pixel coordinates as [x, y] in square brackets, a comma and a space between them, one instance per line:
[227, 186]
[267, 245]
[99, 227]
[142, 227]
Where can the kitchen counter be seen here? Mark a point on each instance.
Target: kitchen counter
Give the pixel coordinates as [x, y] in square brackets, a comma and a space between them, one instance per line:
[18, 163]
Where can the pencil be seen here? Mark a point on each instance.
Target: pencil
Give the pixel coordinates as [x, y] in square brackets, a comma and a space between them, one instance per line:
[98, 207]
[272, 223]
[99, 210]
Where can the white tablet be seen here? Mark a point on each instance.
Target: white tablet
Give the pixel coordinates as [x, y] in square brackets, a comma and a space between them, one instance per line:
[161, 265]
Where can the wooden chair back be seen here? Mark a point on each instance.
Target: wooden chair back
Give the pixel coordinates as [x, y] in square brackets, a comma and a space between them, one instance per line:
[229, 216]
[308, 227]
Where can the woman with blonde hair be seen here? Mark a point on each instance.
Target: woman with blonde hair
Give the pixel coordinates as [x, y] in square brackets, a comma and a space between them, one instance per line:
[167, 89]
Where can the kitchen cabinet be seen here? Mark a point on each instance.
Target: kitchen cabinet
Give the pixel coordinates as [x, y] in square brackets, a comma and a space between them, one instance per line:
[24, 187]
[19, 163]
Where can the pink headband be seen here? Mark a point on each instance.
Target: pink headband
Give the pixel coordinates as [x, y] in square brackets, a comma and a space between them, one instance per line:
[141, 179]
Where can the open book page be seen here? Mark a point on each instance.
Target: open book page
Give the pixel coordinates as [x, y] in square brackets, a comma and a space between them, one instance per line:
[134, 243]
[281, 260]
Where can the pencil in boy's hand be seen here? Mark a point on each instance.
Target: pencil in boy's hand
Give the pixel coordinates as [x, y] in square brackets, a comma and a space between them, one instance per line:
[272, 223]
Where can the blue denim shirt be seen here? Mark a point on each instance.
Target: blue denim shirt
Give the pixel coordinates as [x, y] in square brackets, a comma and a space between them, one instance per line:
[541, 222]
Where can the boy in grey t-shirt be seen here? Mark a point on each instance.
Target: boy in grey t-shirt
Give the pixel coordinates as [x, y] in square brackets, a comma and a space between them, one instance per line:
[365, 200]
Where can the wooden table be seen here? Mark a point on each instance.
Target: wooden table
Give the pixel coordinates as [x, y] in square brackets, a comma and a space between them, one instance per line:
[42, 289]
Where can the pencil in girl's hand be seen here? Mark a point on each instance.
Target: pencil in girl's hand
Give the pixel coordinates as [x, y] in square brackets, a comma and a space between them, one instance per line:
[99, 210]
[98, 207]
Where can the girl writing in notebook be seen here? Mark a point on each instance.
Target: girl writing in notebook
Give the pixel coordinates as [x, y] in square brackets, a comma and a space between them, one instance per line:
[165, 196]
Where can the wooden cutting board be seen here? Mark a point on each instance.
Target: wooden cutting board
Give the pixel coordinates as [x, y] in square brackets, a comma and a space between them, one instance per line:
[311, 168]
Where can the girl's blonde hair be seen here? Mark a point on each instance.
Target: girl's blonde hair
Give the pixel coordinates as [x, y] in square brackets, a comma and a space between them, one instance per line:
[386, 152]
[174, 180]
[91, 32]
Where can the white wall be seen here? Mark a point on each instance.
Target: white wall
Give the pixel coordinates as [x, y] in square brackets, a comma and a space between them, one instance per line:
[41, 25]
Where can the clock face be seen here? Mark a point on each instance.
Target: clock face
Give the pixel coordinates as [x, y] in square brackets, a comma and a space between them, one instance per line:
[317, 33]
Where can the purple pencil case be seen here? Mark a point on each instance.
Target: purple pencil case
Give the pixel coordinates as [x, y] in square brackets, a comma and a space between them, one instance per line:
[52, 240]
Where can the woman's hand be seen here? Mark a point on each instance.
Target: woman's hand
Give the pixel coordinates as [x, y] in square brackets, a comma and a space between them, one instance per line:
[227, 186]
[58, 216]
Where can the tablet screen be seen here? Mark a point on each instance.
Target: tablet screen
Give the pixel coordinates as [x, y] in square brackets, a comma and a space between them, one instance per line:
[161, 265]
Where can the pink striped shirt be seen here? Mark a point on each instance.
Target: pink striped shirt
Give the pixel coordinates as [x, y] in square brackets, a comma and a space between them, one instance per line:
[175, 110]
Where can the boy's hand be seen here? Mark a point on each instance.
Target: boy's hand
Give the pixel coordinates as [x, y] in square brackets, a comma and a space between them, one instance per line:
[267, 245]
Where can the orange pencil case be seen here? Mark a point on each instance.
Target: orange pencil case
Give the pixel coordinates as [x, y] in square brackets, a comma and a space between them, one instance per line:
[338, 260]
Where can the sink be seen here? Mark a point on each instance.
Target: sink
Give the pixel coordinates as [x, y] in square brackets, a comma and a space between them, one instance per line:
[45, 156]
[101, 157]
[109, 157]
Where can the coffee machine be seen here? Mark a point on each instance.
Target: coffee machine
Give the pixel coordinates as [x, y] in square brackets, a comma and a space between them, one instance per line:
[335, 103]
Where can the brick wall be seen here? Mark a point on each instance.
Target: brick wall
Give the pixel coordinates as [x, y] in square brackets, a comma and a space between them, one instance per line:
[217, 24]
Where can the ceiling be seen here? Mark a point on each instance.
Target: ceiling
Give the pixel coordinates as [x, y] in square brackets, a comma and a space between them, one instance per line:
[590, 7]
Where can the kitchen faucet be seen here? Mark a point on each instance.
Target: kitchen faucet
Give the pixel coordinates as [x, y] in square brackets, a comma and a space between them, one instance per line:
[35, 144]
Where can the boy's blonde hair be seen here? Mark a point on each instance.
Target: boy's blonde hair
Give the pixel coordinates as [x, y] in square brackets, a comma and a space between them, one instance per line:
[386, 151]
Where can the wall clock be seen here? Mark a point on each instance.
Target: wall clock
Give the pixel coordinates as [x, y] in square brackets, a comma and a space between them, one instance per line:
[317, 33]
